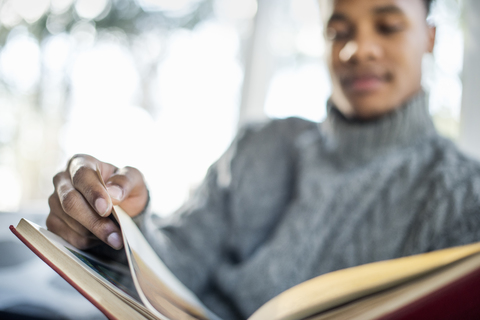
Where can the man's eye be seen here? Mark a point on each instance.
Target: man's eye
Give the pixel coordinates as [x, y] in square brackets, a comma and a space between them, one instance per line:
[388, 29]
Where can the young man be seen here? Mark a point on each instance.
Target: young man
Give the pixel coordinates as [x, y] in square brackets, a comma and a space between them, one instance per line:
[292, 199]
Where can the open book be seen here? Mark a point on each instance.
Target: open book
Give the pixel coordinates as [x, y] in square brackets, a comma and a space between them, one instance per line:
[445, 283]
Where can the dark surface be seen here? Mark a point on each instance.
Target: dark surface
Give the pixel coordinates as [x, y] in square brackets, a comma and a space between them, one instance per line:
[15, 316]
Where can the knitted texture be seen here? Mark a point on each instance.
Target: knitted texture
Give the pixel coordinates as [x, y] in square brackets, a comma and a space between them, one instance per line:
[292, 199]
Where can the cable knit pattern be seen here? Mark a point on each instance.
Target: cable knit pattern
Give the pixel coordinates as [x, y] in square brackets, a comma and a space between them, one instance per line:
[292, 199]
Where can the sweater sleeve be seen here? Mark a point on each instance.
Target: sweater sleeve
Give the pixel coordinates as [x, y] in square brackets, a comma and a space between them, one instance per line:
[459, 213]
[455, 209]
[233, 207]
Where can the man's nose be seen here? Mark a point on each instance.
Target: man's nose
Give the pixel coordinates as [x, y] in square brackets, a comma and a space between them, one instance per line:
[361, 48]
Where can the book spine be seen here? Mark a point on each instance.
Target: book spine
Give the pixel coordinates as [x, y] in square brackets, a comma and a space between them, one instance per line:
[62, 274]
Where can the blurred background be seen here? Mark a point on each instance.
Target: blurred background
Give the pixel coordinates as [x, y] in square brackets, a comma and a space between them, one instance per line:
[163, 85]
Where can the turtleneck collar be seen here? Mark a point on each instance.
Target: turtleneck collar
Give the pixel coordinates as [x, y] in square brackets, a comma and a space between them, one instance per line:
[404, 126]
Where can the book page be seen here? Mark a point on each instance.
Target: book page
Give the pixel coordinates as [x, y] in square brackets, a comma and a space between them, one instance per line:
[113, 274]
[339, 287]
[118, 277]
[156, 285]
[106, 283]
[380, 304]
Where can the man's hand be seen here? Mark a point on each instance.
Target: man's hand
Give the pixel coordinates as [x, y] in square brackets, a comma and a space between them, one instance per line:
[80, 204]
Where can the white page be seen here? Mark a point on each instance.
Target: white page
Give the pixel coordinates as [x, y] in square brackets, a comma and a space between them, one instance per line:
[135, 241]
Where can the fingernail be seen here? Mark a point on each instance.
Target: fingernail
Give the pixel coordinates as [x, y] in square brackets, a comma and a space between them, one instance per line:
[114, 240]
[115, 192]
[102, 206]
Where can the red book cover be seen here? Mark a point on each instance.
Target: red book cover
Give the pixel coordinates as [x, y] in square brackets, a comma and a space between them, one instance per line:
[62, 274]
[457, 300]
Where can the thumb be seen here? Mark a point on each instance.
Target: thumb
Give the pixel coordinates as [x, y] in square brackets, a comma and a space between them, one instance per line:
[127, 188]
[116, 192]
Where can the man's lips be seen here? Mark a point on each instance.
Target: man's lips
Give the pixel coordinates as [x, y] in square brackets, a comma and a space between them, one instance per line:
[364, 83]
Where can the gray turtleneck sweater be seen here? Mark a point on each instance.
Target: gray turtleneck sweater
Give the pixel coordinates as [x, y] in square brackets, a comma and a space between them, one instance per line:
[292, 199]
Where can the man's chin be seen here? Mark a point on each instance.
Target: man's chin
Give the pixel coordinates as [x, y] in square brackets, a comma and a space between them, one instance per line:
[371, 106]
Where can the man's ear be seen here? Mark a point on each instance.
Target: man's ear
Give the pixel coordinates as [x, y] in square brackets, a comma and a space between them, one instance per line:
[431, 34]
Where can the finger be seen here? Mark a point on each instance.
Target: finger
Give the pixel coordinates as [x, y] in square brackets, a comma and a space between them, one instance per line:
[124, 183]
[127, 186]
[84, 178]
[59, 227]
[74, 205]
[57, 210]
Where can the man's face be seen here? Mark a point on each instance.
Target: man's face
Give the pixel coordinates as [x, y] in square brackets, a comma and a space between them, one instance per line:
[375, 50]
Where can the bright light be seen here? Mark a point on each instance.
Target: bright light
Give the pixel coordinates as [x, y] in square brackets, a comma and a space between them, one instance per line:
[104, 75]
[301, 92]
[56, 52]
[31, 10]
[449, 49]
[10, 189]
[84, 33]
[443, 70]
[90, 9]
[60, 6]
[102, 121]
[306, 12]
[8, 15]
[8, 123]
[31, 138]
[235, 9]
[166, 5]
[310, 41]
[20, 62]
[198, 90]
[283, 42]
[119, 134]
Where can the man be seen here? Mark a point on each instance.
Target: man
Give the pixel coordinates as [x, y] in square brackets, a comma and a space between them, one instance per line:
[292, 199]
